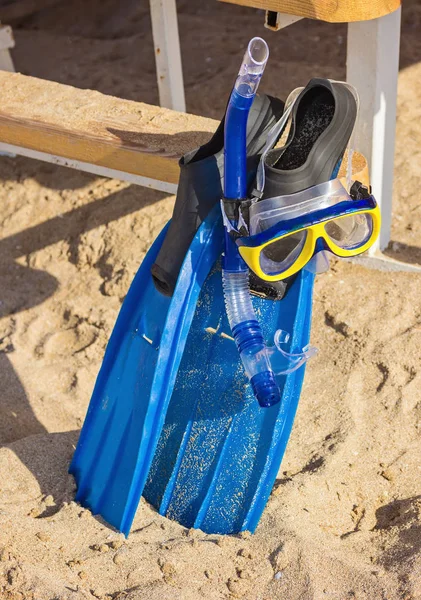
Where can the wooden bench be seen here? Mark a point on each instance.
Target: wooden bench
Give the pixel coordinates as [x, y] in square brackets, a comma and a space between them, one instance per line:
[100, 134]
[90, 131]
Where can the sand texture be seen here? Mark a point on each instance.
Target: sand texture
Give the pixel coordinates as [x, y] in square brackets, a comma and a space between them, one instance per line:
[344, 519]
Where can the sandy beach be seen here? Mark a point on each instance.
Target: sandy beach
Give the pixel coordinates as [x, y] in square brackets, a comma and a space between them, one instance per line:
[344, 519]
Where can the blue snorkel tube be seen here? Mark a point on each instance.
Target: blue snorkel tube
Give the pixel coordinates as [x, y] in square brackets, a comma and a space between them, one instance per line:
[245, 328]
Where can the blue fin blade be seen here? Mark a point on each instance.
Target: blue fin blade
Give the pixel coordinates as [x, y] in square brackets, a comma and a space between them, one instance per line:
[219, 452]
[134, 386]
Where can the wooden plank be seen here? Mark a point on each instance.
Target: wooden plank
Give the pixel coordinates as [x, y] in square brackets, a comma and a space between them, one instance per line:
[333, 11]
[53, 122]
[84, 125]
[78, 165]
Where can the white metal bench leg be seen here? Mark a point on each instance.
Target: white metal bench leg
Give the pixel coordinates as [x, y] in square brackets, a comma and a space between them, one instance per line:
[167, 54]
[372, 67]
[6, 41]
[6, 63]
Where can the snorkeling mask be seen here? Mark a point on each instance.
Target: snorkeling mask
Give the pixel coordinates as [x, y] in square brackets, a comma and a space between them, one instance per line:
[286, 232]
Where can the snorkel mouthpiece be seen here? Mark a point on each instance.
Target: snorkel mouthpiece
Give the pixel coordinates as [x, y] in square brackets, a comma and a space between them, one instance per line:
[265, 389]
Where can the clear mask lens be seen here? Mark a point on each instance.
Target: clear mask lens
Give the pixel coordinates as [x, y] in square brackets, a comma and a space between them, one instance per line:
[281, 254]
[351, 231]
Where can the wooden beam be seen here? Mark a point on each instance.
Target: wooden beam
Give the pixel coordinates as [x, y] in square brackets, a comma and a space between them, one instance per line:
[86, 126]
[78, 165]
[102, 134]
[326, 10]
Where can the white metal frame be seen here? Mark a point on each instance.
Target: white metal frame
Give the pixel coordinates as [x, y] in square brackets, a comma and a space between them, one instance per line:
[167, 54]
[6, 42]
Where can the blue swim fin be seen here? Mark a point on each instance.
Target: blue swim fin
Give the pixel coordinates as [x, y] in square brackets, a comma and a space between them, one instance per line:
[134, 387]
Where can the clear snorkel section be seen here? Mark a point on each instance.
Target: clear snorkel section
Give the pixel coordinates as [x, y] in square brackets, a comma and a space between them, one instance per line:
[260, 362]
[252, 68]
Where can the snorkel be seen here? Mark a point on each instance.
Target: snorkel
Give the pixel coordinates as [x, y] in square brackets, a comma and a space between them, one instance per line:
[235, 273]
[262, 363]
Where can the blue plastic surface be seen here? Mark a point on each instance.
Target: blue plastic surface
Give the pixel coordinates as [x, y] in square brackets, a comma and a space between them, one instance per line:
[172, 414]
[133, 388]
[218, 453]
[235, 146]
